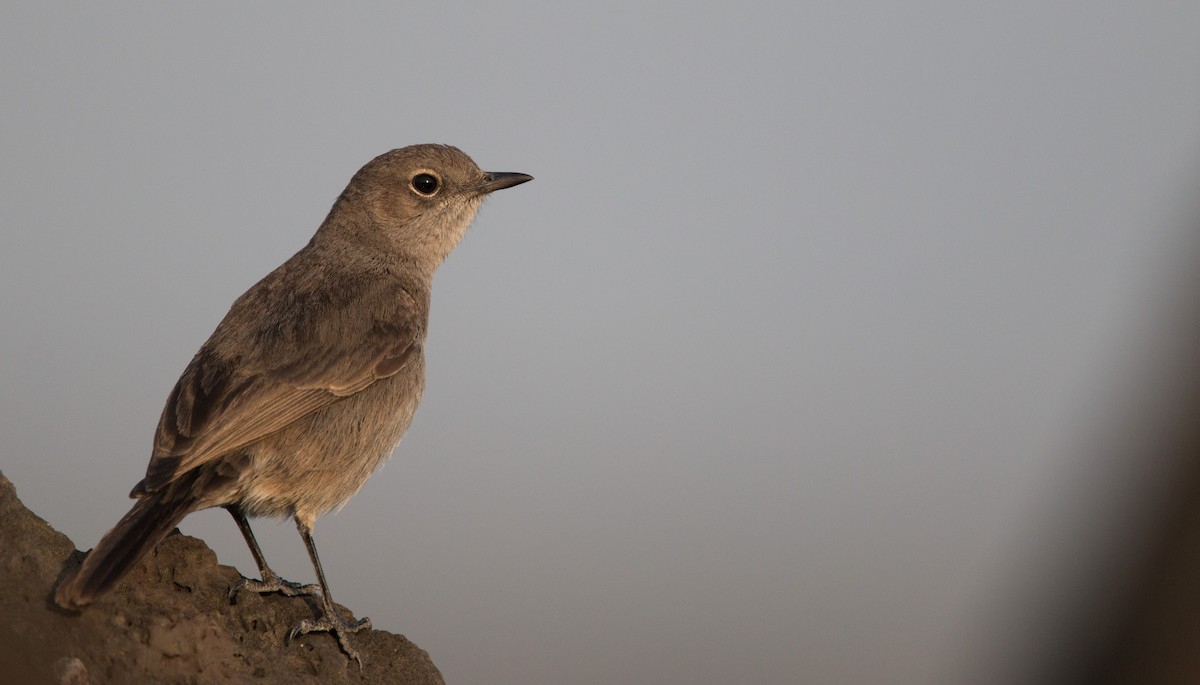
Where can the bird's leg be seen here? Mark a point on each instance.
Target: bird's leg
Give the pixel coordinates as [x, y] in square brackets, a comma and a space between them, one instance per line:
[271, 582]
[329, 621]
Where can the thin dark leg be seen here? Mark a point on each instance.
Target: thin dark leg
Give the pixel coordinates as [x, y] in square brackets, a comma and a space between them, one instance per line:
[244, 525]
[330, 621]
[271, 582]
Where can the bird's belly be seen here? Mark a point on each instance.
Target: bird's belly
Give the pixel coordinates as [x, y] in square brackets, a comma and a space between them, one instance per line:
[316, 464]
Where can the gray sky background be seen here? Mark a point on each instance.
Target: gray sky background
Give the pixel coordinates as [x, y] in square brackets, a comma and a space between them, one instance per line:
[777, 373]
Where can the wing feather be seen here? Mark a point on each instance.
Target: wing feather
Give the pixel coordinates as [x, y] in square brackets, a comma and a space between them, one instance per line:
[224, 402]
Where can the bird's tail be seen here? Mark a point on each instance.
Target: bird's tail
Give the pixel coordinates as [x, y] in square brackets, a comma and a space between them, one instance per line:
[150, 519]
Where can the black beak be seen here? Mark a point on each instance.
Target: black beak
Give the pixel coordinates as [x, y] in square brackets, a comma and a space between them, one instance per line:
[499, 180]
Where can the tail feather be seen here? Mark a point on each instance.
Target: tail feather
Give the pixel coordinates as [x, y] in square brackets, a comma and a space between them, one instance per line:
[148, 522]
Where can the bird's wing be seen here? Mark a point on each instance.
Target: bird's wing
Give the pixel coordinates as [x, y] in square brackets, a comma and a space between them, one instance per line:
[222, 403]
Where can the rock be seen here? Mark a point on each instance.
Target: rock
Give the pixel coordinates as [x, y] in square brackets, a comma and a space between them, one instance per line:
[169, 621]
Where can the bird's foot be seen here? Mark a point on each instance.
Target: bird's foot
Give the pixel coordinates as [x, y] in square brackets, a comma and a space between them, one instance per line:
[331, 622]
[271, 582]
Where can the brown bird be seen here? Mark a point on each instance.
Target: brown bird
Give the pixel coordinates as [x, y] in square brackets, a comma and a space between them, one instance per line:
[311, 379]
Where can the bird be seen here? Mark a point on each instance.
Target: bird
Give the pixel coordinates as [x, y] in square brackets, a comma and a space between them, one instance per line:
[311, 379]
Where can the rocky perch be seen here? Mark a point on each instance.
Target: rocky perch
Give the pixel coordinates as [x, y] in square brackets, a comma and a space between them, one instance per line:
[169, 621]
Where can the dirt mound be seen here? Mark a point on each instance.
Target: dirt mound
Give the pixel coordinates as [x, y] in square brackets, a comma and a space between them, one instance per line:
[169, 621]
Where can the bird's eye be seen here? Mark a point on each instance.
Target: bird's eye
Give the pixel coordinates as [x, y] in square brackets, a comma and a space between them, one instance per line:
[425, 184]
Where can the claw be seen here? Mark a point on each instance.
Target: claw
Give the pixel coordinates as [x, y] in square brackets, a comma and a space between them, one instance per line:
[271, 582]
[336, 625]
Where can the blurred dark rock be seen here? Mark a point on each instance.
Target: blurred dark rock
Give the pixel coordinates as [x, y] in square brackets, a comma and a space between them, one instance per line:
[169, 621]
